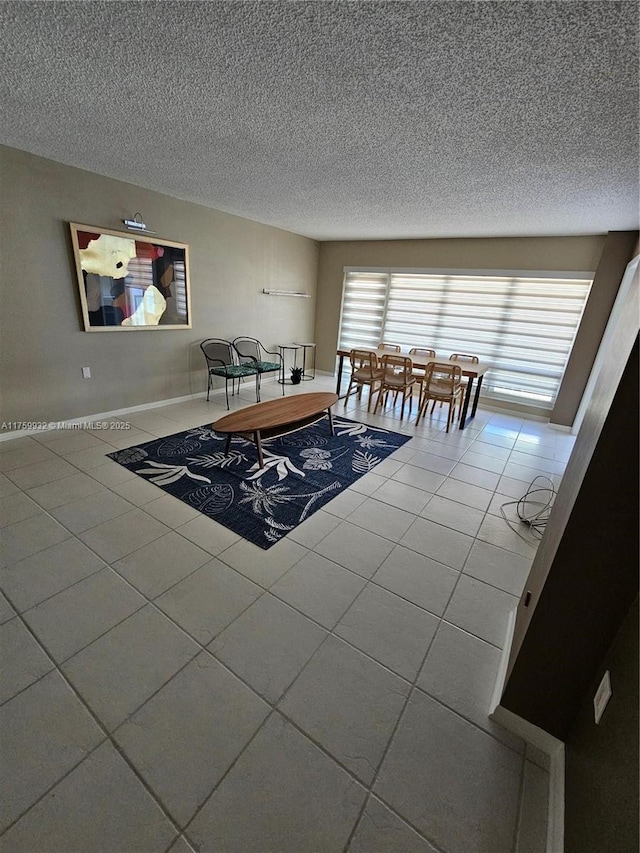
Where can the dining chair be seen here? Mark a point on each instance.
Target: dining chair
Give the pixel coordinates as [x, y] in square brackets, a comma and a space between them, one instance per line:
[458, 356]
[442, 383]
[251, 352]
[219, 355]
[364, 371]
[390, 347]
[470, 359]
[398, 378]
[419, 373]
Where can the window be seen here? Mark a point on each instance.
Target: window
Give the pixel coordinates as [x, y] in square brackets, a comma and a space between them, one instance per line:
[522, 324]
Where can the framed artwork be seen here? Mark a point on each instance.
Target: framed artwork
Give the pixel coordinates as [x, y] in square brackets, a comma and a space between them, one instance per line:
[130, 282]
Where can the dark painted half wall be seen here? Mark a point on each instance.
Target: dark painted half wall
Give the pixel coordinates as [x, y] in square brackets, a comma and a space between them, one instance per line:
[601, 760]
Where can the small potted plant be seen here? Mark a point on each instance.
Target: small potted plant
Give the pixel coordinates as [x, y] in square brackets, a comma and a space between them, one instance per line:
[296, 375]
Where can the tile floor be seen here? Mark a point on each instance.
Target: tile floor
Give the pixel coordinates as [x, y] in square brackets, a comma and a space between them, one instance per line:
[168, 686]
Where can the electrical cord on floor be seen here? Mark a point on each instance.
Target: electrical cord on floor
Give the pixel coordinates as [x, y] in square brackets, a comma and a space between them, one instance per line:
[533, 508]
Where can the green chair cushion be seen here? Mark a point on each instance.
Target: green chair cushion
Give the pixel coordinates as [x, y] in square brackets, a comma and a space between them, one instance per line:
[234, 371]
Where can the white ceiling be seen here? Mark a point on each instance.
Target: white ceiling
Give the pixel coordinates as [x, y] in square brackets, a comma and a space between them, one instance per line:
[341, 120]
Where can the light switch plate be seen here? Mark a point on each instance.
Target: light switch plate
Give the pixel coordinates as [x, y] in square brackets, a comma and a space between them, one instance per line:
[86, 373]
[603, 694]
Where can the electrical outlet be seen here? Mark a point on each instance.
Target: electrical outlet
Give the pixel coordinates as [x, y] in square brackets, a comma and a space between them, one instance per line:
[603, 694]
[86, 373]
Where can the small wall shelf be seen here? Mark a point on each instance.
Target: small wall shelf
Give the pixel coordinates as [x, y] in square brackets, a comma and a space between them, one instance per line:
[286, 293]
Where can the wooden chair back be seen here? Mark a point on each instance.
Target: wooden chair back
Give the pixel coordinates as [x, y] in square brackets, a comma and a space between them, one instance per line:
[458, 356]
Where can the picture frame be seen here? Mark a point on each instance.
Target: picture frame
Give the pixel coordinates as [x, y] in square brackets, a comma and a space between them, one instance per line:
[130, 282]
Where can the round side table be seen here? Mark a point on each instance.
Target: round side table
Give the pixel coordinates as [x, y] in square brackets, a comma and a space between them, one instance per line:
[283, 352]
[307, 376]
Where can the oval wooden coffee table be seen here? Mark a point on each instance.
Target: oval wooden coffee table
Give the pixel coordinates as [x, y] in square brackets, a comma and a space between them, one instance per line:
[264, 420]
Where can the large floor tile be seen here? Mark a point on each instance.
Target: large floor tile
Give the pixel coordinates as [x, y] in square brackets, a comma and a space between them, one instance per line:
[75, 617]
[282, 796]
[490, 449]
[446, 451]
[208, 534]
[23, 661]
[111, 473]
[496, 439]
[28, 453]
[6, 610]
[541, 463]
[27, 537]
[319, 588]
[527, 473]
[185, 738]
[7, 487]
[101, 806]
[208, 600]
[534, 811]
[71, 441]
[389, 629]
[480, 609]
[171, 511]
[314, 529]
[347, 703]
[92, 457]
[457, 516]
[484, 461]
[344, 504]
[161, 564]
[181, 845]
[263, 567]
[381, 831]
[419, 579]
[41, 473]
[119, 671]
[139, 492]
[475, 476]
[419, 478]
[456, 784]
[16, 507]
[382, 519]
[498, 567]
[368, 484]
[466, 493]
[440, 543]
[268, 645]
[35, 578]
[460, 671]
[356, 549]
[496, 531]
[45, 731]
[64, 491]
[402, 496]
[82, 514]
[119, 536]
[432, 462]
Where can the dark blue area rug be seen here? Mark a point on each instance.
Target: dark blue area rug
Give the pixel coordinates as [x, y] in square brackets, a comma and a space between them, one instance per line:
[303, 470]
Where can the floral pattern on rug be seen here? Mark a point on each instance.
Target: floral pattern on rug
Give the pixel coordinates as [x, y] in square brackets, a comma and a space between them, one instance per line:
[303, 470]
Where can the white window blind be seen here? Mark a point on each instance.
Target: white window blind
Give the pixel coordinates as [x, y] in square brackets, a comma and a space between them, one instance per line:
[522, 325]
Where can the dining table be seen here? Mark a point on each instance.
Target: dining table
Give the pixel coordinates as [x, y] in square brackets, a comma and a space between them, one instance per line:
[474, 374]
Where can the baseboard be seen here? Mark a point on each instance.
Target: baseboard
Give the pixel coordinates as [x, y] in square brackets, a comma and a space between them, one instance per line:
[115, 413]
[66, 424]
[537, 737]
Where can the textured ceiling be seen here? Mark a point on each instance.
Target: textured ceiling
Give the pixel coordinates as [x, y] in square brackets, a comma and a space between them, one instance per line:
[341, 120]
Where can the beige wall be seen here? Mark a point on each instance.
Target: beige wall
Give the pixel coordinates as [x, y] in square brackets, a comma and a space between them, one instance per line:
[43, 345]
[509, 253]
[616, 254]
